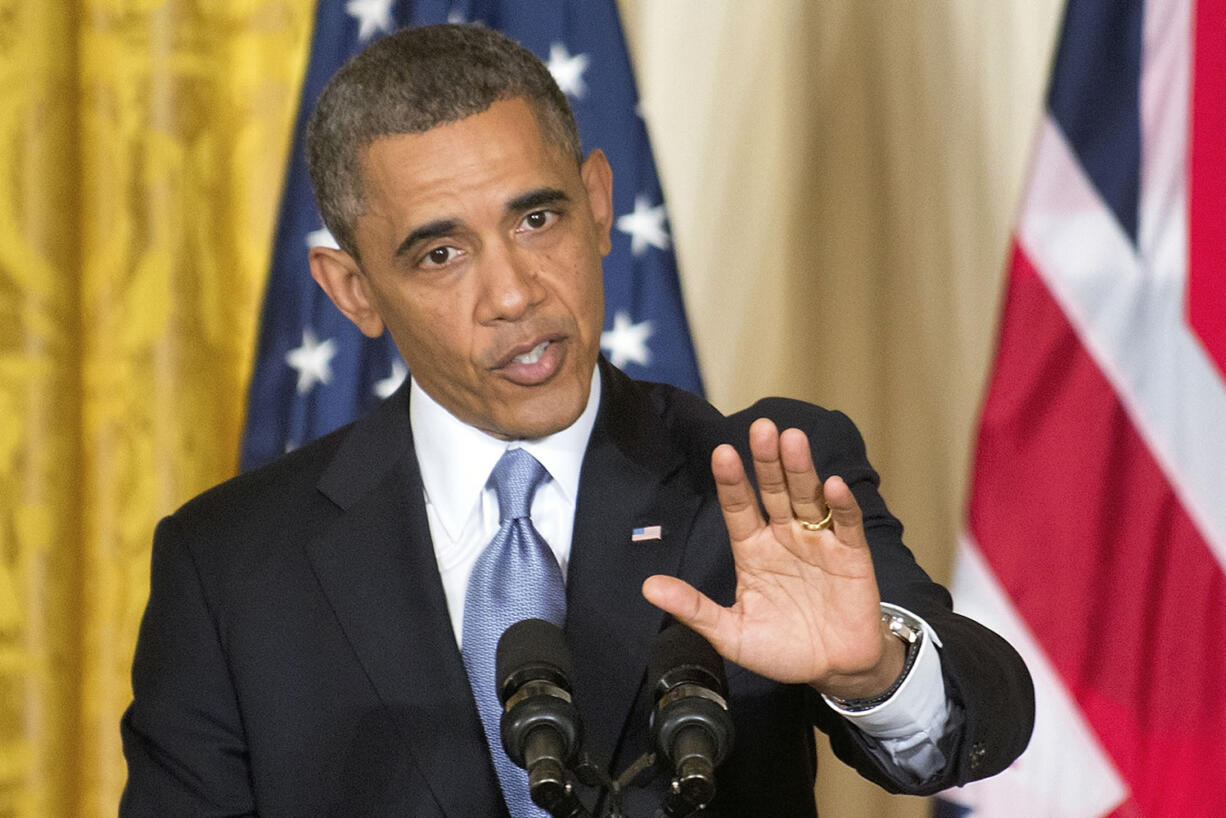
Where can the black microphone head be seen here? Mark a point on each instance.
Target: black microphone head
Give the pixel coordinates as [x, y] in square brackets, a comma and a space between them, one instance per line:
[531, 649]
[681, 656]
[690, 725]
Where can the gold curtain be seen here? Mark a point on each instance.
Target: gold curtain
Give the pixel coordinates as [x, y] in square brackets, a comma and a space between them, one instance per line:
[841, 178]
[142, 144]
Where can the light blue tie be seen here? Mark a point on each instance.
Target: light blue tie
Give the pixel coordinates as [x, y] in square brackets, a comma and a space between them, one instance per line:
[516, 577]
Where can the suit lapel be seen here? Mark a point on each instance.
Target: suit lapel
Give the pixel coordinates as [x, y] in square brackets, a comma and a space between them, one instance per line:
[377, 567]
[631, 479]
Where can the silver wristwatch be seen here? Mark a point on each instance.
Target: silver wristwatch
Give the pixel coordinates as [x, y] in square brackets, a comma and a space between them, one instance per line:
[911, 632]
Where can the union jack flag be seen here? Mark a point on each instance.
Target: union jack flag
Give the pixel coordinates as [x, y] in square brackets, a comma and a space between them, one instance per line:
[1096, 528]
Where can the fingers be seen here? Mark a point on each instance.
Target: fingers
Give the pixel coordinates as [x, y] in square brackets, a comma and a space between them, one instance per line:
[789, 487]
[848, 520]
[804, 485]
[736, 496]
[788, 482]
[772, 479]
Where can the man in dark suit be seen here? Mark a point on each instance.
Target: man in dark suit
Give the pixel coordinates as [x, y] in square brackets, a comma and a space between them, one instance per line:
[301, 652]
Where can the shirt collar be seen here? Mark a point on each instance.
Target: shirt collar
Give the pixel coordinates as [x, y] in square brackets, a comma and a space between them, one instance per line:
[456, 459]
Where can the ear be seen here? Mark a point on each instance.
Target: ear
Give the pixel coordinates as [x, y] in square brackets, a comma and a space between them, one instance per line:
[598, 180]
[342, 279]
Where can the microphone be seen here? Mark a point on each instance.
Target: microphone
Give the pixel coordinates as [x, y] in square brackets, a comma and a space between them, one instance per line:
[540, 726]
[691, 726]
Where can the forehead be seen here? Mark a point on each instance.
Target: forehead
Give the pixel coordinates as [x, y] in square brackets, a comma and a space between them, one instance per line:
[496, 153]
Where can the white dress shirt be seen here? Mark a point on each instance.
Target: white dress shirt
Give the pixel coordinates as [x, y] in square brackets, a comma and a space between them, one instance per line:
[456, 460]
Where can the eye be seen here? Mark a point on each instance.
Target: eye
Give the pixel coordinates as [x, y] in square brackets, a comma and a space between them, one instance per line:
[538, 220]
[439, 256]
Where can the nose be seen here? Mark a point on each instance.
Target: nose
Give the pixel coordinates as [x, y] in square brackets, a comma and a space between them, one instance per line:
[510, 283]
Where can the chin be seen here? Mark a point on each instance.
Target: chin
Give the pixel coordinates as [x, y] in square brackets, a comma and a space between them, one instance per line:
[537, 428]
[552, 418]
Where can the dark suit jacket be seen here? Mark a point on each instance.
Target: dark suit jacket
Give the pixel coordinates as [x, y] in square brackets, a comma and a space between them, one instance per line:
[296, 657]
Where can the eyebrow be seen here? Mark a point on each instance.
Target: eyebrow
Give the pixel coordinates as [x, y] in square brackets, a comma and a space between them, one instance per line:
[536, 198]
[445, 227]
[430, 230]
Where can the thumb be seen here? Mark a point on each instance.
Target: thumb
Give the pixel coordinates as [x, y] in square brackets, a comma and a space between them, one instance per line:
[690, 607]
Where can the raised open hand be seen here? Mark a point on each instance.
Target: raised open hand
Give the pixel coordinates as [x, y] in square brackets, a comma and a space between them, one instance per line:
[807, 606]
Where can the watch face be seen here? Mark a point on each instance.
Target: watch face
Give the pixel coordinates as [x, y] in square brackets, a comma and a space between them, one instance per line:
[901, 628]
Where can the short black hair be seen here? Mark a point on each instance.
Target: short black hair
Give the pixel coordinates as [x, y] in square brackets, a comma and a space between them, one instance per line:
[409, 82]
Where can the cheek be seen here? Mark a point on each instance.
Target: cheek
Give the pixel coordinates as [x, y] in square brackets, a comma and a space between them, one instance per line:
[440, 339]
[430, 340]
[594, 292]
[586, 280]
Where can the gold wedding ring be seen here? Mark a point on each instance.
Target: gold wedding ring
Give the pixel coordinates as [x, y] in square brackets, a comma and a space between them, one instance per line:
[825, 523]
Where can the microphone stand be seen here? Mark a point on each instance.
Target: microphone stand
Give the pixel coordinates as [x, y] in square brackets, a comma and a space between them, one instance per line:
[593, 776]
[552, 792]
[677, 803]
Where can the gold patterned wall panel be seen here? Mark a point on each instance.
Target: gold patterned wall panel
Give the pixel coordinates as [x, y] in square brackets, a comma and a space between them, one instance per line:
[143, 144]
[39, 401]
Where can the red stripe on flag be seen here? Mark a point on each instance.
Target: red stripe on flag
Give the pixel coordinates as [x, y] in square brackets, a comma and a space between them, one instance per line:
[1128, 809]
[1207, 183]
[1087, 537]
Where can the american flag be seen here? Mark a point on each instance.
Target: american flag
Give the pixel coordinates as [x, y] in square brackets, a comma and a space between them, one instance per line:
[314, 371]
[1096, 529]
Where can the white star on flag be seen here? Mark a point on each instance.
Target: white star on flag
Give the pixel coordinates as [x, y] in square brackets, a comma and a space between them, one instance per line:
[627, 341]
[568, 70]
[322, 238]
[386, 386]
[372, 16]
[313, 361]
[645, 226]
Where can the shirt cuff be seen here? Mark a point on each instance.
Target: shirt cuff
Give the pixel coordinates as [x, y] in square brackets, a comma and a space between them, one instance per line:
[919, 706]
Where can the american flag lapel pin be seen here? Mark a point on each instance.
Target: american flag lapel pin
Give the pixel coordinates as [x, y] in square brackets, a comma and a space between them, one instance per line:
[648, 532]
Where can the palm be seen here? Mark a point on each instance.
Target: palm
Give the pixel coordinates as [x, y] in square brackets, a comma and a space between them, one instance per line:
[806, 606]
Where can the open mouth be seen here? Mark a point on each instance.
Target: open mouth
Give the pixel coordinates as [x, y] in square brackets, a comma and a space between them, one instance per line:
[536, 364]
[531, 356]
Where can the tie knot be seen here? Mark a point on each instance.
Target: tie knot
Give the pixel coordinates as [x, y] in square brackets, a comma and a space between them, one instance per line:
[515, 478]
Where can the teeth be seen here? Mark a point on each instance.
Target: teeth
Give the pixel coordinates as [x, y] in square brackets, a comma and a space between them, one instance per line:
[533, 355]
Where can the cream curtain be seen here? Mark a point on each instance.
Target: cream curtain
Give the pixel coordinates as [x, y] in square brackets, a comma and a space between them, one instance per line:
[841, 179]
